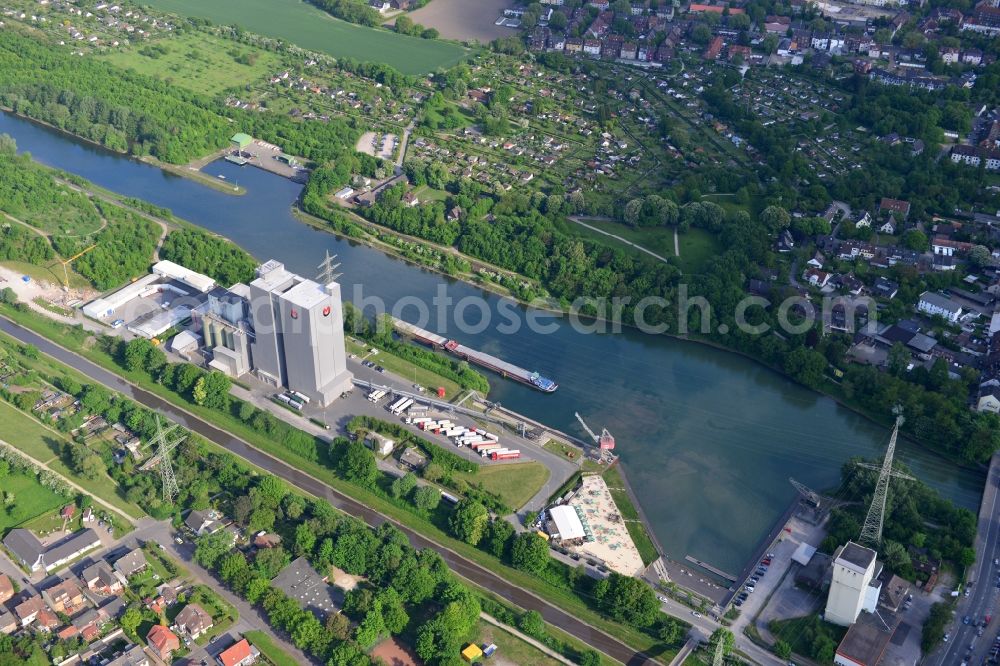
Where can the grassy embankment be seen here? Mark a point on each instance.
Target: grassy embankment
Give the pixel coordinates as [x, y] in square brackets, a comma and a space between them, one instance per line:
[405, 369]
[74, 339]
[633, 521]
[311, 28]
[514, 483]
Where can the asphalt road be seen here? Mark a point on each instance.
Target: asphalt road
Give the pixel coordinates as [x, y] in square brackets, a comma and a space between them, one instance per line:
[463, 567]
[983, 595]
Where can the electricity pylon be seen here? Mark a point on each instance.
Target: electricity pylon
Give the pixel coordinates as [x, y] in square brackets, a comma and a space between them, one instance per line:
[164, 445]
[328, 269]
[871, 532]
[808, 494]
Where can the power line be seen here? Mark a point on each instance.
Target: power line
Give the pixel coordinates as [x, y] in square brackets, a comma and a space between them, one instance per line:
[164, 445]
[871, 532]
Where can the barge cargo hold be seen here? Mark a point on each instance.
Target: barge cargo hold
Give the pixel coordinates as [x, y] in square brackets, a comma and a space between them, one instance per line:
[497, 365]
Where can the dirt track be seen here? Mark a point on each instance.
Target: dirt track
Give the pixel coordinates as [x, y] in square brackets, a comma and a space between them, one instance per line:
[464, 20]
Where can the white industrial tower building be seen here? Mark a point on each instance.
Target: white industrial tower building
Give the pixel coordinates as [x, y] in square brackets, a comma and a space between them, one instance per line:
[854, 586]
[299, 327]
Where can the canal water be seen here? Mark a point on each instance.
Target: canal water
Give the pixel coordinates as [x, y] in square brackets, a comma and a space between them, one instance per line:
[709, 439]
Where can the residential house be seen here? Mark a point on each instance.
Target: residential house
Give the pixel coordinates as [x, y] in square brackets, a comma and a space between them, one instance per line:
[885, 288]
[946, 252]
[266, 540]
[785, 241]
[591, 47]
[193, 621]
[816, 277]
[102, 579]
[989, 398]
[30, 552]
[131, 563]
[64, 597]
[382, 446]
[864, 219]
[6, 589]
[135, 656]
[984, 19]
[413, 458]
[27, 611]
[714, 48]
[888, 227]
[853, 249]
[889, 206]
[972, 57]
[817, 261]
[938, 305]
[8, 623]
[163, 642]
[203, 522]
[47, 621]
[850, 284]
[241, 653]
[976, 155]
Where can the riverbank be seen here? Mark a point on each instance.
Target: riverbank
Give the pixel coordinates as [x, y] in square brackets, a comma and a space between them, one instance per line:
[834, 394]
[177, 170]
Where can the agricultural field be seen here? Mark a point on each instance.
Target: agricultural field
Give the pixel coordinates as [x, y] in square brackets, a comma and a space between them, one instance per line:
[27, 499]
[310, 28]
[514, 483]
[197, 61]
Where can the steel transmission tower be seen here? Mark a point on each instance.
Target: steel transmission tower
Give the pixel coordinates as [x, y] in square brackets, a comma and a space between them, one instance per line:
[161, 459]
[871, 532]
[328, 269]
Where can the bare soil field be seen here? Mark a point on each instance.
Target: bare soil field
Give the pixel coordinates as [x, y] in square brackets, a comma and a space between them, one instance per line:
[464, 20]
[393, 653]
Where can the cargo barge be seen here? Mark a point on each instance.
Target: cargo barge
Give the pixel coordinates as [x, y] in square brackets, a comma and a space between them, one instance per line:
[488, 361]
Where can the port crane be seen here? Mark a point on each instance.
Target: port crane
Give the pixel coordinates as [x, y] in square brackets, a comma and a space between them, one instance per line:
[69, 261]
[604, 441]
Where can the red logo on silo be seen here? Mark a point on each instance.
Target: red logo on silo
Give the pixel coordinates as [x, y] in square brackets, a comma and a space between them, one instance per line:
[294, 313]
[326, 311]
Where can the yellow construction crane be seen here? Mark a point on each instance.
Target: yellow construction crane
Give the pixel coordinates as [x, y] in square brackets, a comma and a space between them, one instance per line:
[70, 261]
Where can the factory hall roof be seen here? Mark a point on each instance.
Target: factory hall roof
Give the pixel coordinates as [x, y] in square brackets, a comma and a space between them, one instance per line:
[301, 582]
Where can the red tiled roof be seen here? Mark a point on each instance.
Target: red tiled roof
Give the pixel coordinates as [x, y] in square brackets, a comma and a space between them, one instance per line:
[236, 654]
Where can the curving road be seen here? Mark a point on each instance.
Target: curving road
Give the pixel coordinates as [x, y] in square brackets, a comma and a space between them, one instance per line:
[964, 645]
[460, 565]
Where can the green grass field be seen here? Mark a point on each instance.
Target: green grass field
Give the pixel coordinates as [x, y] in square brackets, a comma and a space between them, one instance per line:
[514, 483]
[269, 649]
[310, 28]
[697, 247]
[403, 368]
[26, 434]
[30, 500]
[510, 648]
[198, 61]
